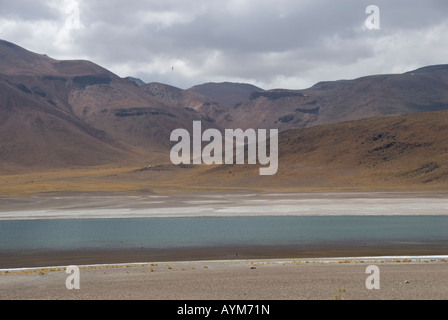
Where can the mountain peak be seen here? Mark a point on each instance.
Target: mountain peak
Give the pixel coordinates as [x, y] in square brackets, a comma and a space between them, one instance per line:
[15, 60]
[226, 93]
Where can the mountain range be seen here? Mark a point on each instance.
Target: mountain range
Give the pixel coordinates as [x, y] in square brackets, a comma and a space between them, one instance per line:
[71, 114]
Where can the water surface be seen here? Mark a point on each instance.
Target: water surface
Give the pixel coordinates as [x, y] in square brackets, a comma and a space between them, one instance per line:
[74, 234]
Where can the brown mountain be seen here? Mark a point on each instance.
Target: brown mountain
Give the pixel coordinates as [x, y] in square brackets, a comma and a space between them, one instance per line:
[35, 133]
[416, 91]
[56, 113]
[37, 127]
[226, 93]
[281, 109]
[17, 61]
[422, 90]
[212, 111]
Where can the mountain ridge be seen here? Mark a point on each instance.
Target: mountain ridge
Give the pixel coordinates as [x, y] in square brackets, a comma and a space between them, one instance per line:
[99, 110]
[326, 102]
[70, 114]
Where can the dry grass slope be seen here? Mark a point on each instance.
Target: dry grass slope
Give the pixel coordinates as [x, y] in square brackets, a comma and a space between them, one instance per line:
[406, 153]
[397, 152]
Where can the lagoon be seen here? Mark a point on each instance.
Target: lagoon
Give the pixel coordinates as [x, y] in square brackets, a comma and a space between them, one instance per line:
[179, 232]
[103, 228]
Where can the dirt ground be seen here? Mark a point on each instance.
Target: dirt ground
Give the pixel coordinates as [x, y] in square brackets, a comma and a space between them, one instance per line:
[316, 279]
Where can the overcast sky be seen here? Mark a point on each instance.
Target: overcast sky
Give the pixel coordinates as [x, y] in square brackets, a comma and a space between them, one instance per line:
[269, 43]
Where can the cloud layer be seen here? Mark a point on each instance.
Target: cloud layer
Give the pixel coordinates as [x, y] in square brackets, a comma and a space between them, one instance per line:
[269, 43]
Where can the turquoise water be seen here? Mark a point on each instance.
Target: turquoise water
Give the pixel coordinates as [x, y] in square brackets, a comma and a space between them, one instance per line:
[24, 235]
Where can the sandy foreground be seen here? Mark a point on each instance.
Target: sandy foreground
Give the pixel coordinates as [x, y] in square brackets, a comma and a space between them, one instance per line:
[404, 278]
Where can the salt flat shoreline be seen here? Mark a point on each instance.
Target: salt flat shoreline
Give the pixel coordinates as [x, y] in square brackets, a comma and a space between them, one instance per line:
[115, 206]
[105, 206]
[322, 260]
[116, 256]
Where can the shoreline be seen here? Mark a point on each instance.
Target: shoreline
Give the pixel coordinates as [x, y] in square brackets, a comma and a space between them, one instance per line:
[254, 261]
[107, 206]
[36, 259]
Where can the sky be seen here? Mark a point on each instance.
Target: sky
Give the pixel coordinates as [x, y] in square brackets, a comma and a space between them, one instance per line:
[289, 44]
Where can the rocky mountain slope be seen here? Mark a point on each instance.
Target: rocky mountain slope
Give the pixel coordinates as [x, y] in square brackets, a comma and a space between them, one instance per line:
[421, 90]
[56, 113]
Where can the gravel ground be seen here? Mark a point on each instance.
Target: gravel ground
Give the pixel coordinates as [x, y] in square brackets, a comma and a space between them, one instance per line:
[317, 279]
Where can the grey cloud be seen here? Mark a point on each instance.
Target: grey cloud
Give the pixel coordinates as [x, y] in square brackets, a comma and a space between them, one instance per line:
[409, 15]
[27, 10]
[259, 40]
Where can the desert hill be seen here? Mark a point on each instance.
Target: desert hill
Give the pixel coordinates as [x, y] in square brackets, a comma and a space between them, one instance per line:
[396, 153]
[36, 133]
[58, 113]
[421, 90]
[37, 125]
[403, 152]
